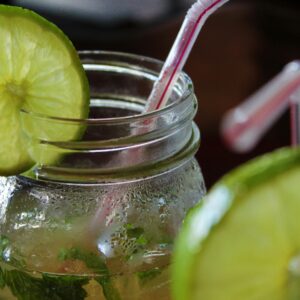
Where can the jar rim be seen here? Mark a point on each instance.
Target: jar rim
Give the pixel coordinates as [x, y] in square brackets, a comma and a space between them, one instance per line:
[188, 89]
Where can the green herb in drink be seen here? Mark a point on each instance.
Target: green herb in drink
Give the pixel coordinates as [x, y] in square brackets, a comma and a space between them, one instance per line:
[97, 265]
[146, 276]
[136, 233]
[48, 287]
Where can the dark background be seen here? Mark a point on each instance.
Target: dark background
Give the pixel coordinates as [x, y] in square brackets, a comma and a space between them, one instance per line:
[241, 47]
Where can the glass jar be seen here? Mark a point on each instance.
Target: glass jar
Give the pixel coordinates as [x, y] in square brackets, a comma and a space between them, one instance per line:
[97, 215]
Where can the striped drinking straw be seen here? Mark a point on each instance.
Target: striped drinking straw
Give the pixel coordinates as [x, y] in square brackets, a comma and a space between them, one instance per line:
[190, 29]
[243, 126]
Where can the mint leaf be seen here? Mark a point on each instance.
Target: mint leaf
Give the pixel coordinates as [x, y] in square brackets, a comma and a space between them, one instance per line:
[95, 263]
[2, 281]
[91, 260]
[5, 253]
[109, 291]
[142, 241]
[4, 243]
[49, 287]
[66, 286]
[135, 232]
[146, 276]
[23, 286]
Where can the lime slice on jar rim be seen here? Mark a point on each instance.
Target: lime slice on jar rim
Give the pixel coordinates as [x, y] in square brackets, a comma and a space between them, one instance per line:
[40, 72]
[243, 241]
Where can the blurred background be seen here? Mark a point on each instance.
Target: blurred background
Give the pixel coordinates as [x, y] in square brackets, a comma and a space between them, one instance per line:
[241, 47]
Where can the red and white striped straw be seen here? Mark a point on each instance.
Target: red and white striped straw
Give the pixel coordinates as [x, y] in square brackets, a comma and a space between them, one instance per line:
[162, 88]
[295, 118]
[190, 29]
[243, 126]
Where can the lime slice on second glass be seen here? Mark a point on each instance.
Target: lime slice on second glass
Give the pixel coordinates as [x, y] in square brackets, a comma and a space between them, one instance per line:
[243, 241]
[40, 72]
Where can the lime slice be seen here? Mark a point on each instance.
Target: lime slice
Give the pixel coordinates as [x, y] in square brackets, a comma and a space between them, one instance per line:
[40, 72]
[243, 241]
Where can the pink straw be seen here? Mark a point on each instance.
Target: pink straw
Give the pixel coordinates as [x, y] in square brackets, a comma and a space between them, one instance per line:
[243, 126]
[180, 51]
[162, 88]
[295, 119]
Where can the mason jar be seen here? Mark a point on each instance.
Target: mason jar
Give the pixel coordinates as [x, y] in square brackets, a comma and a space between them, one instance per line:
[97, 215]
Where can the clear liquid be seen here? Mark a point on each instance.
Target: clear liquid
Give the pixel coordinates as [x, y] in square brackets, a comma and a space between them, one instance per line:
[126, 287]
[69, 269]
[41, 223]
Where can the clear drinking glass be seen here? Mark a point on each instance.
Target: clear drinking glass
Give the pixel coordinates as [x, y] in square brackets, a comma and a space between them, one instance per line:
[97, 215]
